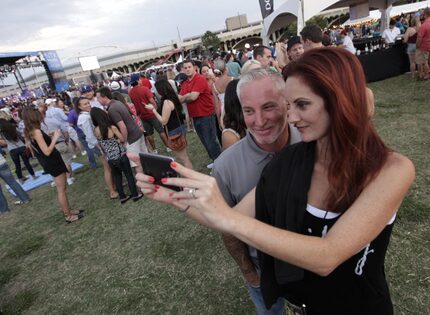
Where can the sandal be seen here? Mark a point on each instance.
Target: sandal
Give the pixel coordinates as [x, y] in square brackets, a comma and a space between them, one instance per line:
[76, 212]
[114, 196]
[73, 217]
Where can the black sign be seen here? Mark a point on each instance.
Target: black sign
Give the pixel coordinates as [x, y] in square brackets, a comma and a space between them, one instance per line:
[266, 7]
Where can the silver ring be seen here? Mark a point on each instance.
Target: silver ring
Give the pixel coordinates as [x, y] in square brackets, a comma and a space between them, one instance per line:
[192, 191]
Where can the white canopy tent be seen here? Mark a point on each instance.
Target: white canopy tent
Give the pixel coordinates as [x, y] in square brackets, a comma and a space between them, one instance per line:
[395, 11]
[303, 10]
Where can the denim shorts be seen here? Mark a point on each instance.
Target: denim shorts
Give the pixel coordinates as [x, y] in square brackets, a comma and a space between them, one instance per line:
[411, 49]
[179, 130]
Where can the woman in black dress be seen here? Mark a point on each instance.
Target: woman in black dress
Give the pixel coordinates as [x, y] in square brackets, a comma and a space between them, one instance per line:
[44, 149]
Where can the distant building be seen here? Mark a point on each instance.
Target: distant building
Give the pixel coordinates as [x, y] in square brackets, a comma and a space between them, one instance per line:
[235, 22]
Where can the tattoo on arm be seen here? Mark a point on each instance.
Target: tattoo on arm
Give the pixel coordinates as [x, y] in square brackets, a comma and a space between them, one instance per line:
[239, 251]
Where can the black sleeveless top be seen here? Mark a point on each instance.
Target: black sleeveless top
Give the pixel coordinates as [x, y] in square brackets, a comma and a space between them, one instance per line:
[357, 286]
[173, 122]
[413, 38]
[52, 164]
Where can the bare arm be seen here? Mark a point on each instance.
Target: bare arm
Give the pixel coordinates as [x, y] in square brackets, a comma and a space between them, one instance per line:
[358, 226]
[118, 134]
[281, 55]
[168, 107]
[123, 129]
[238, 250]
[418, 42]
[189, 97]
[407, 35]
[370, 98]
[183, 98]
[228, 139]
[152, 101]
[38, 137]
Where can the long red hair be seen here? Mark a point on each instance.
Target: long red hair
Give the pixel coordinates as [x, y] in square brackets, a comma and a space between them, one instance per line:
[356, 151]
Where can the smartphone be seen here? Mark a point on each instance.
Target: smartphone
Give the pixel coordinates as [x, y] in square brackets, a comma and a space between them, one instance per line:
[158, 166]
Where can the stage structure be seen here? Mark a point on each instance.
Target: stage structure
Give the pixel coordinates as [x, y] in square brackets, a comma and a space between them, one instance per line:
[11, 62]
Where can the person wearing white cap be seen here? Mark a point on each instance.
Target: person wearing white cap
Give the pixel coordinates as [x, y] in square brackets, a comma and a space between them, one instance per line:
[116, 86]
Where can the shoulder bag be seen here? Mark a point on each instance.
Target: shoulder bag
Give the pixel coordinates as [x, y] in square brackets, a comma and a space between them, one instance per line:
[176, 142]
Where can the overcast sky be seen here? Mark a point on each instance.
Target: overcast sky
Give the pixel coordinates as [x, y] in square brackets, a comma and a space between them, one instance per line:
[75, 26]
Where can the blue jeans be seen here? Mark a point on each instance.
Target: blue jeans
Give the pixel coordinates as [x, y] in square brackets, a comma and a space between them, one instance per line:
[206, 130]
[4, 207]
[257, 299]
[90, 152]
[7, 176]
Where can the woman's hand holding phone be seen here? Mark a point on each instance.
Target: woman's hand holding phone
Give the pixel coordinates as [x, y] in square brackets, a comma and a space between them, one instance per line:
[153, 191]
[199, 191]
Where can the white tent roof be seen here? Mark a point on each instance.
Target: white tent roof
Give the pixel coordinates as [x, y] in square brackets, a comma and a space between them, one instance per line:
[303, 10]
[395, 11]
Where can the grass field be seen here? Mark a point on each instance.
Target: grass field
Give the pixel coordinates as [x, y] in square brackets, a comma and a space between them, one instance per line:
[143, 258]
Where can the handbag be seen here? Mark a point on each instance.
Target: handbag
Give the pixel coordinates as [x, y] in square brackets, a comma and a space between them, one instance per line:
[177, 142]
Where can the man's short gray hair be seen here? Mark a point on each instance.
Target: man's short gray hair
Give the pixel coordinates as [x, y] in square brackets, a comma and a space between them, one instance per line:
[259, 74]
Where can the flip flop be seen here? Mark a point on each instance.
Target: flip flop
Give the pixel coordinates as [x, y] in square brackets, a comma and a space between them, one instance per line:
[76, 212]
[73, 218]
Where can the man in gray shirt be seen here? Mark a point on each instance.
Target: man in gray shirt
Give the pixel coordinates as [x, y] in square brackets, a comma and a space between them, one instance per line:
[238, 169]
[121, 116]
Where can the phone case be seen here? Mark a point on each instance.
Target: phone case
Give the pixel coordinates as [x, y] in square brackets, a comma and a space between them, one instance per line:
[158, 166]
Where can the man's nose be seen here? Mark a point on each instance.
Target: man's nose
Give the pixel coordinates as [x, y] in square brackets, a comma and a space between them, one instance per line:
[259, 119]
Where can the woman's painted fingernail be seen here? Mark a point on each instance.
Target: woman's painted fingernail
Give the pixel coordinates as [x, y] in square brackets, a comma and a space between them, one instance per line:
[151, 179]
[157, 187]
[164, 180]
[173, 164]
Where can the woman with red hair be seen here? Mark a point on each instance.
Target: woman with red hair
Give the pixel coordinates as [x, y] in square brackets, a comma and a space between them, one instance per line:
[323, 211]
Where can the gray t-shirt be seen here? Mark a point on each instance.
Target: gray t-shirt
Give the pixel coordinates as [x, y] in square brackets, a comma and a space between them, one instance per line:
[119, 112]
[238, 169]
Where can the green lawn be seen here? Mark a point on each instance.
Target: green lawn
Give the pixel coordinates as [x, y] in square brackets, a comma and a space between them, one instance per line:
[143, 258]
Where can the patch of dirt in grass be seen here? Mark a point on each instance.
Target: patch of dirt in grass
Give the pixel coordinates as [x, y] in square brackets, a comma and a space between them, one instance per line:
[7, 273]
[26, 247]
[19, 302]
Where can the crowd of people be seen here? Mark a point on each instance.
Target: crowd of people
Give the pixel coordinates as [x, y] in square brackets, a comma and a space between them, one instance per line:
[303, 190]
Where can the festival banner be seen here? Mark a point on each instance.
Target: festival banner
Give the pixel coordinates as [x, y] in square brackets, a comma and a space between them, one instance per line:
[266, 7]
[56, 69]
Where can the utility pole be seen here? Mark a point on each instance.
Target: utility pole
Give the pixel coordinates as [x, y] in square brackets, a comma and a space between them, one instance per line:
[179, 35]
